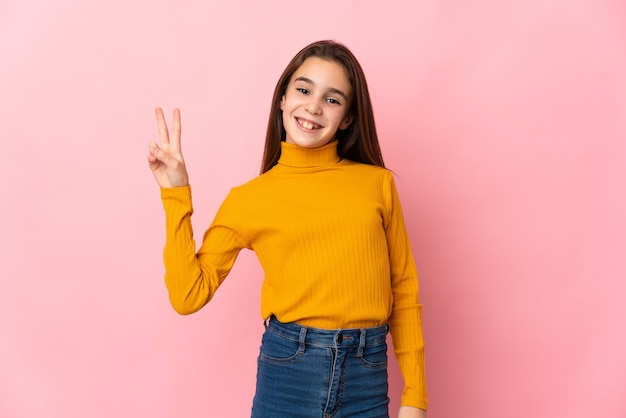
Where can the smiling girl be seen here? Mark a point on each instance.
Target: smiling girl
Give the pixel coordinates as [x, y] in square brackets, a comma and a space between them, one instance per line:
[325, 221]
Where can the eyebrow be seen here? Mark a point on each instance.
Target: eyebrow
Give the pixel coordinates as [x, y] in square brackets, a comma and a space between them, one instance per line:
[332, 89]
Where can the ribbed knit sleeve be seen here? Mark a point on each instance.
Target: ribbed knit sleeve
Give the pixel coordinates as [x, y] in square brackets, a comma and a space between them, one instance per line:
[405, 322]
[191, 278]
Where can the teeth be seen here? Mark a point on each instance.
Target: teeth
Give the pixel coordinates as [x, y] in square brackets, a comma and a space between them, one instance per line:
[308, 125]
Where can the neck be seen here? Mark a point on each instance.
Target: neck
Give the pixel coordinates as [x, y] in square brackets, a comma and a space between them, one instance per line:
[295, 156]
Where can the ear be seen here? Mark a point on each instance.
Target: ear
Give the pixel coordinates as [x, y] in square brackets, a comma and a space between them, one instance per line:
[346, 122]
[282, 102]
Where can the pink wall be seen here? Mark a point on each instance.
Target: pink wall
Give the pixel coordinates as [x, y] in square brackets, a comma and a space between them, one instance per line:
[506, 125]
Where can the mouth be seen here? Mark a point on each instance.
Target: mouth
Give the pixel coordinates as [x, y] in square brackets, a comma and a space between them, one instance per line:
[307, 124]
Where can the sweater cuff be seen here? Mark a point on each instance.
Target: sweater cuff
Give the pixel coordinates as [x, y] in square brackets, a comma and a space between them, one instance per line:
[413, 397]
[176, 192]
[177, 202]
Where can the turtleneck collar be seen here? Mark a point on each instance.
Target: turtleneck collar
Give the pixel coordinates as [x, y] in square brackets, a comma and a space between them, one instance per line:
[295, 156]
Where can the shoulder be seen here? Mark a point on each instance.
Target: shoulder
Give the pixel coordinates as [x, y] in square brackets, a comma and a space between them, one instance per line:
[368, 171]
[251, 188]
[354, 165]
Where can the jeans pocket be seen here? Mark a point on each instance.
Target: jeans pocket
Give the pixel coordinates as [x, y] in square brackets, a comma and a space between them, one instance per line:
[374, 357]
[278, 349]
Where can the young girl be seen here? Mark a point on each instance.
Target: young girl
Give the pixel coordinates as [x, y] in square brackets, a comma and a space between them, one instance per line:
[325, 221]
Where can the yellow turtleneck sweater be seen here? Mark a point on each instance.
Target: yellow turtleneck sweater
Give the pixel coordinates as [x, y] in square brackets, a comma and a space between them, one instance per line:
[330, 236]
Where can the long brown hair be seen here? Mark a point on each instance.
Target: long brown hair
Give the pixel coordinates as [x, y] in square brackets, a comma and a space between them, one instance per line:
[358, 142]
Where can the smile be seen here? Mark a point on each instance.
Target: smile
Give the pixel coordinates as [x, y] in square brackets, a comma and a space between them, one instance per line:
[307, 124]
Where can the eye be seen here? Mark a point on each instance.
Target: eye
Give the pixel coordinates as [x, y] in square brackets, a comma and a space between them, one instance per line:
[302, 90]
[333, 101]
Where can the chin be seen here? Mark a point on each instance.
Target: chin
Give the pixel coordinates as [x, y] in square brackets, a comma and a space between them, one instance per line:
[307, 144]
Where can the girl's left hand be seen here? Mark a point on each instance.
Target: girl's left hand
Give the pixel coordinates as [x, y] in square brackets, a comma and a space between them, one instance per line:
[411, 412]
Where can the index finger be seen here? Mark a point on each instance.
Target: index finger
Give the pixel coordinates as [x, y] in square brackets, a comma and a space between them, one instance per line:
[163, 132]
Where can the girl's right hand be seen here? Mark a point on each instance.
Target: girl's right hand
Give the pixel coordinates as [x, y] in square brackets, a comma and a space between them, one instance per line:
[166, 159]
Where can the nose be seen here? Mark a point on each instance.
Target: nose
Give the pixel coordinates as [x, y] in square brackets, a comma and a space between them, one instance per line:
[313, 106]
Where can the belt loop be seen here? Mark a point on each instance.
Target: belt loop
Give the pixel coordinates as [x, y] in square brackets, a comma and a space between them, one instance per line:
[359, 351]
[302, 340]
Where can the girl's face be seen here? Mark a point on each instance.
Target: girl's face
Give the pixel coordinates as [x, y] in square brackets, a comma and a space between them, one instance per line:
[316, 103]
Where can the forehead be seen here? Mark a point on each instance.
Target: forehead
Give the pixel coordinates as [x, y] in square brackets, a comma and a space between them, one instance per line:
[324, 74]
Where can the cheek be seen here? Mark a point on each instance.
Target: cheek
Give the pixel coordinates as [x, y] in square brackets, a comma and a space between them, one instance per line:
[341, 118]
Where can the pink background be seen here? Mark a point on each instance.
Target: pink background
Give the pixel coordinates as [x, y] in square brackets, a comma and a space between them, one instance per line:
[504, 121]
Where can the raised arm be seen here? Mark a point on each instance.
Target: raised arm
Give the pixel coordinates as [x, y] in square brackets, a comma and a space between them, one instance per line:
[191, 278]
[165, 158]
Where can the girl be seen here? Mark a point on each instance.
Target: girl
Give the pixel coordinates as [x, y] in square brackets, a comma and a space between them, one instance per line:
[325, 221]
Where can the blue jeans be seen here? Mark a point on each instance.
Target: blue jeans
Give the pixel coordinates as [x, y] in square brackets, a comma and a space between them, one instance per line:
[307, 372]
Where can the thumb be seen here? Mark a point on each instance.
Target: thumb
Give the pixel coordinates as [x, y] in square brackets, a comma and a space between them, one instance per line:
[157, 153]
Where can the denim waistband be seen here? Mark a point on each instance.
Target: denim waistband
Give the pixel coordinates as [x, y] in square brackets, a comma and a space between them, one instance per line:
[337, 338]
